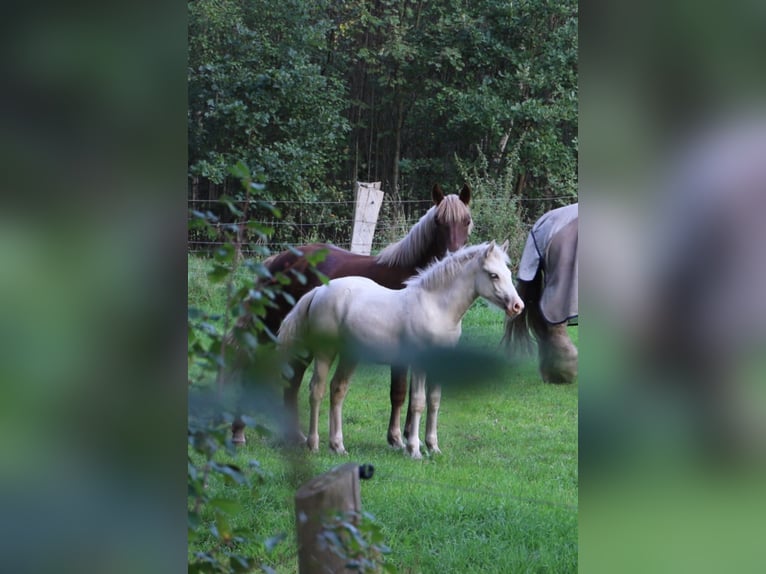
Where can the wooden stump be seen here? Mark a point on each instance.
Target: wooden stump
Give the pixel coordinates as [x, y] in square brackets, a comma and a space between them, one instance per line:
[321, 497]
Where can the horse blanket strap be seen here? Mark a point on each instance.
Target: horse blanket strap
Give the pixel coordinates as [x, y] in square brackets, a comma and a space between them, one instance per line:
[552, 247]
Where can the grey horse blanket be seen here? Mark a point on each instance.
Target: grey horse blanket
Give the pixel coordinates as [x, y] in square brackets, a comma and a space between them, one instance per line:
[552, 247]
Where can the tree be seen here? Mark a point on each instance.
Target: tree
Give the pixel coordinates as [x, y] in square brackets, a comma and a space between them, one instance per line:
[429, 81]
[257, 93]
[316, 95]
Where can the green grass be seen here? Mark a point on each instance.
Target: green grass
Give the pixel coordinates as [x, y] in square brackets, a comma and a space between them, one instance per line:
[501, 498]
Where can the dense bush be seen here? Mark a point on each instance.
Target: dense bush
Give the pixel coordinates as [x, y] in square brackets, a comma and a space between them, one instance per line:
[220, 386]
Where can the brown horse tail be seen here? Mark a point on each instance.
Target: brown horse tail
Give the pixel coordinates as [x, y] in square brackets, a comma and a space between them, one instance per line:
[520, 329]
[268, 323]
[269, 260]
[294, 325]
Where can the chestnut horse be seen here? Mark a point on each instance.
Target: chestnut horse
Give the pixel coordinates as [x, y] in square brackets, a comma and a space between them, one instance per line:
[547, 283]
[444, 228]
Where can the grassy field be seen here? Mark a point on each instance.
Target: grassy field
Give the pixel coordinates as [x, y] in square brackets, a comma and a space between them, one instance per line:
[501, 498]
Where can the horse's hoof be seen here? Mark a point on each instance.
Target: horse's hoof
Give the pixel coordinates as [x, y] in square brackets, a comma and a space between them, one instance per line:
[296, 437]
[312, 446]
[414, 454]
[434, 450]
[398, 444]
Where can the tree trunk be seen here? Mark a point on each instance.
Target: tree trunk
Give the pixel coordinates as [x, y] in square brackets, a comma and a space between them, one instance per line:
[521, 183]
[397, 146]
[501, 148]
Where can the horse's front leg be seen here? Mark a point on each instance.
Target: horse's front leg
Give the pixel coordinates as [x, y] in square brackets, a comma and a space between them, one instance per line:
[417, 406]
[338, 390]
[398, 394]
[316, 393]
[434, 399]
[408, 419]
[292, 420]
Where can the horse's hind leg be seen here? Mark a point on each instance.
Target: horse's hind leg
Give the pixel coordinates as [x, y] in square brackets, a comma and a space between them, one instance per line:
[316, 393]
[398, 394]
[238, 431]
[408, 423]
[417, 406]
[338, 390]
[557, 355]
[292, 423]
[408, 419]
[434, 400]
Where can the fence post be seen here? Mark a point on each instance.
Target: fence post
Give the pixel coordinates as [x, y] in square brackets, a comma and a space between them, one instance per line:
[368, 198]
[334, 491]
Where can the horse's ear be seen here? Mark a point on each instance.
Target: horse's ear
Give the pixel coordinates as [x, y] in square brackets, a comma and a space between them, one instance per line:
[437, 194]
[465, 194]
[490, 247]
[504, 246]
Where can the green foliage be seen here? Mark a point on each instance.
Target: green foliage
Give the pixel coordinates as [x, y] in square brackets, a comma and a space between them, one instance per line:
[223, 555]
[226, 302]
[495, 206]
[483, 76]
[211, 514]
[318, 94]
[358, 538]
[257, 92]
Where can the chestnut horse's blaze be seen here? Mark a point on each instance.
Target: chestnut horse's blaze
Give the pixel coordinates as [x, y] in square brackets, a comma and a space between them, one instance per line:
[444, 228]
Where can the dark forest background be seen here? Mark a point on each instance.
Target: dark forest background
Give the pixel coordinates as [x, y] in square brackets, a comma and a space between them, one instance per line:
[315, 94]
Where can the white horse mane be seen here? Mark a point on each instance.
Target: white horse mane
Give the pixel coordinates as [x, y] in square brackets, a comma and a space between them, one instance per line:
[445, 270]
[410, 249]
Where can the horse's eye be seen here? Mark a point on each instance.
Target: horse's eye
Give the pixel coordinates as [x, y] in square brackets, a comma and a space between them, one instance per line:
[467, 222]
[494, 276]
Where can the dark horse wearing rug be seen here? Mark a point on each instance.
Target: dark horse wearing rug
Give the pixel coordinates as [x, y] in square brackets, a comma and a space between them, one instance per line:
[444, 228]
[547, 283]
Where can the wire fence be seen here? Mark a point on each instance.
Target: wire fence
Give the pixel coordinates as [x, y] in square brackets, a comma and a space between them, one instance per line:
[304, 222]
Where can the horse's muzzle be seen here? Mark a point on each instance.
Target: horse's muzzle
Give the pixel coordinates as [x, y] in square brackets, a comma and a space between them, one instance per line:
[513, 308]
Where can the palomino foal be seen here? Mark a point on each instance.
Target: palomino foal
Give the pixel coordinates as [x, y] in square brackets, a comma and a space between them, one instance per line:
[345, 316]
